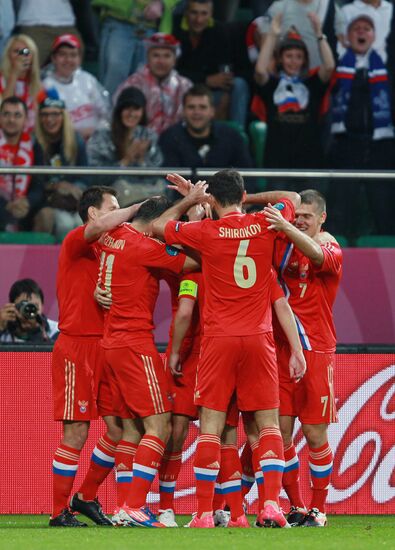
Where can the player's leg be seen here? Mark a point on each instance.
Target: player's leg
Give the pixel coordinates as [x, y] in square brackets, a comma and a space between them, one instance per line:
[252, 433]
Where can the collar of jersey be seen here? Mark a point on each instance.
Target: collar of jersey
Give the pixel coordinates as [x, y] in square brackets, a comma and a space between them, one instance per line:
[235, 213]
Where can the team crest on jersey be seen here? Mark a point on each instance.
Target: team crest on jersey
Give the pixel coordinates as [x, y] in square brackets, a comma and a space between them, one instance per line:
[83, 406]
[172, 250]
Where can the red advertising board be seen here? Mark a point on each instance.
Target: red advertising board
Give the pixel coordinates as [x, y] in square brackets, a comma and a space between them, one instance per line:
[363, 441]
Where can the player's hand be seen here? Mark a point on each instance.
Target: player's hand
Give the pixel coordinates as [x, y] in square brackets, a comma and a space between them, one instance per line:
[174, 364]
[196, 213]
[274, 218]
[103, 297]
[297, 365]
[179, 184]
[7, 315]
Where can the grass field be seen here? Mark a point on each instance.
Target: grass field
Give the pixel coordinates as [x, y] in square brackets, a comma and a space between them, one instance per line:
[343, 532]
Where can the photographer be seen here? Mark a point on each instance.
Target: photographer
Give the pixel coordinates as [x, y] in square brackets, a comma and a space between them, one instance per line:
[22, 319]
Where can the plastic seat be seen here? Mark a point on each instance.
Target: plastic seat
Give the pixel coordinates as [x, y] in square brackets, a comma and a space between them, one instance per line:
[342, 240]
[26, 237]
[236, 126]
[376, 241]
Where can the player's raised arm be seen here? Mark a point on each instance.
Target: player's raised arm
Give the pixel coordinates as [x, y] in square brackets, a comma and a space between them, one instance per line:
[97, 225]
[271, 197]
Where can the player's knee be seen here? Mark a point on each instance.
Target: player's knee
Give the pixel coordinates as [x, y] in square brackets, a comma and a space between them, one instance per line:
[114, 433]
[316, 435]
[75, 434]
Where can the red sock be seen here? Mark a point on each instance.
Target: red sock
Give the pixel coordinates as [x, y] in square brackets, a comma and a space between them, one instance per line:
[258, 474]
[271, 458]
[168, 474]
[231, 480]
[206, 468]
[64, 469]
[145, 467]
[124, 457]
[247, 476]
[101, 464]
[320, 462]
[291, 476]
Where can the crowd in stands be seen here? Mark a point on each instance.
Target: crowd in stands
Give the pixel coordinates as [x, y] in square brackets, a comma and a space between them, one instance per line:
[179, 83]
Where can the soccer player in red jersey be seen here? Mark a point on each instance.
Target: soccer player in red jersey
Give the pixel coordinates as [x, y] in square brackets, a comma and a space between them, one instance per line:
[309, 264]
[77, 360]
[237, 345]
[138, 380]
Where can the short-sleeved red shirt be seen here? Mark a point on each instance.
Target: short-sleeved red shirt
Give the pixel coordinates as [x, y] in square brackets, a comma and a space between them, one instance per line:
[126, 259]
[311, 291]
[79, 314]
[236, 253]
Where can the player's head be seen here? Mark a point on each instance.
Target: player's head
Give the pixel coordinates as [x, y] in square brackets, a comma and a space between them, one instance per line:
[311, 213]
[152, 209]
[227, 188]
[96, 201]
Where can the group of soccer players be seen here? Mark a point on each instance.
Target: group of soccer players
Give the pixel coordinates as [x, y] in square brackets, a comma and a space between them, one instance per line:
[222, 357]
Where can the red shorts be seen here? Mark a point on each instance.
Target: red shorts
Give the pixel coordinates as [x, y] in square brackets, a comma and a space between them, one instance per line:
[74, 360]
[182, 388]
[138, 381]
[312, 399]
[106, 404]
[242, 364]
[232, 414]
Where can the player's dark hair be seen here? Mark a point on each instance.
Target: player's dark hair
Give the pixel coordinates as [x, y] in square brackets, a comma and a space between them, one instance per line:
[199, 90]
[25, 286]
[312, 196]
[93, 196]
[227, 187]
[152, 208]
[13, 100]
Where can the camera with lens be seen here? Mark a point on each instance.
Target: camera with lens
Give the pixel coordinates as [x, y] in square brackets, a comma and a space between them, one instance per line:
[27, 309]
[24, 51]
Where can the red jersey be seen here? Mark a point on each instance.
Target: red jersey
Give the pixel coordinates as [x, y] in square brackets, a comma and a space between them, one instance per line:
[127, 257]
[310, 291]
[79, 314]
[19, 155]
[236, 256]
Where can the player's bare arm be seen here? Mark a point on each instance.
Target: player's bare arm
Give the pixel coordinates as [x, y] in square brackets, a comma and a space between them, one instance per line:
[182, 321]
[271, 197]
[297, 362]
[310, 248]
[191, 264]
[97, 225]
[196, 195]
[103, 297]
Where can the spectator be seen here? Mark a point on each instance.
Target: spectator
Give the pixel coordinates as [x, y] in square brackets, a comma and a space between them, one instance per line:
[58, 144]
[128, 143]
[200, 141]
[206, 58]
[292, 97]
[16, 149]
[381, 11]
[43, 21]
[126, 24]
[161, 84]
[20, 73]
[22, 320]
[362, 129]
[7, 22]
[85, 98]
[295, 17]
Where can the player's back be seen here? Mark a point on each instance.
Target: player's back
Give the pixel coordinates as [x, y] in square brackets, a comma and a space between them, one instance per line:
[79, 314]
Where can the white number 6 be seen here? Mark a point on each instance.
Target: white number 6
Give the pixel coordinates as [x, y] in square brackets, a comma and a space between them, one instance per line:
[242, 260]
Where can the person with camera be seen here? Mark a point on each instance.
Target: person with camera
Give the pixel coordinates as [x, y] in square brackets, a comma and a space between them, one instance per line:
[58, 144]
[20, 73]
[22, 320]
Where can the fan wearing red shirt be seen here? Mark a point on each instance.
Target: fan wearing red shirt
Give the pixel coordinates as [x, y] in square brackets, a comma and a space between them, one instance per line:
[77, 361]
[237, 346]
[128, 262]
[309, 265]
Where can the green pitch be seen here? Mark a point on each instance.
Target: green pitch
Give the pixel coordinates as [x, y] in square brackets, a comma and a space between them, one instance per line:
[343, 532]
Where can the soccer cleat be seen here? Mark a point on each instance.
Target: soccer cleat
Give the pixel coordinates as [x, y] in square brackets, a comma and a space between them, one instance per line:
[314, 518]
[120, 518]
[167, 518]
[206, 522]
[296, 516]
[91, 509]
[221, 518]
[141, 518]
[272, 517]
[194, 514]
[241, 521]
[66, 519]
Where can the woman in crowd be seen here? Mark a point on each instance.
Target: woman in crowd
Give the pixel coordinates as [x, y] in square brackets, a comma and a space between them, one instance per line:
[58, 144]
[292, 97]
[20, 73]
[128, 143]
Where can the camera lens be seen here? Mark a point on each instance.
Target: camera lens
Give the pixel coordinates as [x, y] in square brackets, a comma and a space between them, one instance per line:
[28, 310]
[24, 51]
